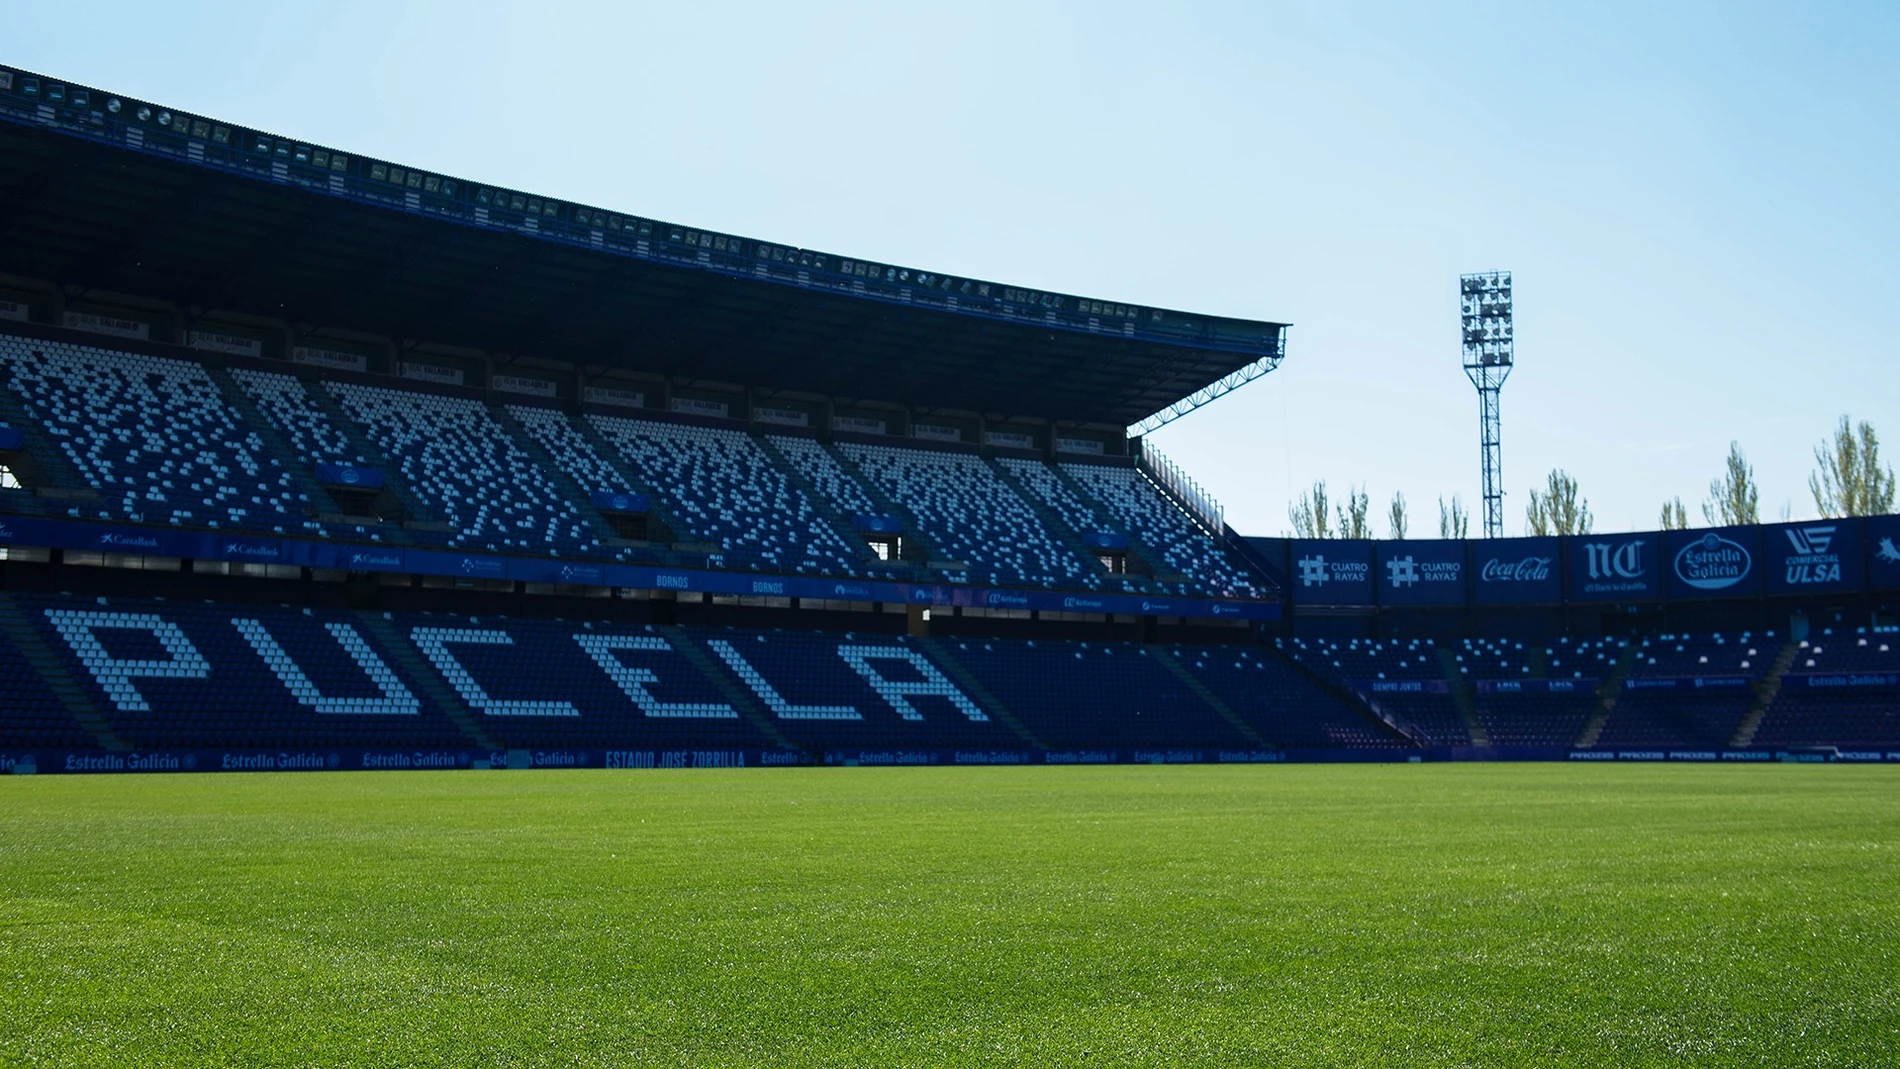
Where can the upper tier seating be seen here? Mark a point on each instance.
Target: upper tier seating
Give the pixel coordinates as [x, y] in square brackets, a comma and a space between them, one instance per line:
[1586, 658]
[570, 449]
[974, 517]
[155, 437]
[723, 487]
[303, 423]
[1859, 651]
[1715, 654]
[1491, 658]
[823, 471]
[1081, 516]
[462, 463]
[1135, 503]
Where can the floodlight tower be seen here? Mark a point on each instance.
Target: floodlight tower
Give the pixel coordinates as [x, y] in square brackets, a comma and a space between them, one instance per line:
[1485, 301]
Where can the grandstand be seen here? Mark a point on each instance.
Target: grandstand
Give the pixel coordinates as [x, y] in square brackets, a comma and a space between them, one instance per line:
[559, 485]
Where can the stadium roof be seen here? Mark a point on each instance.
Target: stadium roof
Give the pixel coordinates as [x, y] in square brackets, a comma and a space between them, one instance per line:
[105, 192]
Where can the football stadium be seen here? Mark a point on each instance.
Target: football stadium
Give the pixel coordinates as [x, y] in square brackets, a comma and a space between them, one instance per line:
[445, 624]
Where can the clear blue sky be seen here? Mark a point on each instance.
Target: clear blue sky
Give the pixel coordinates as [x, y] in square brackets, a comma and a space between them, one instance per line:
[1701, 202]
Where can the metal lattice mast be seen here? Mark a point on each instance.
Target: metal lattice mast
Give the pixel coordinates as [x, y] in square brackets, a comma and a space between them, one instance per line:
[1485, 306]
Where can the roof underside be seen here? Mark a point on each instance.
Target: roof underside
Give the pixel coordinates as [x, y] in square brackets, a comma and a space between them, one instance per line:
[89, 215]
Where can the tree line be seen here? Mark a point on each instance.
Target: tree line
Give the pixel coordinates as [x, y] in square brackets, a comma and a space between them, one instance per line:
[1848, 480]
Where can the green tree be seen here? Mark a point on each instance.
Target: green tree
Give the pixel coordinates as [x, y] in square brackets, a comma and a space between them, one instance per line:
[1558, 509]
[1396, 518]
[1309, 515]
[1734, 499]
[1453, 521]
[1354, 514]
[1848, 479]
[1674, 516]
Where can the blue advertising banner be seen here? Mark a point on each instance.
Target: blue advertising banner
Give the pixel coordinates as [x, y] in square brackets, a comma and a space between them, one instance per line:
[1844, 680]
[1721, 563]
[1515, 571]
[263, 549]
[349, 475]
[1422, 572]
[466, 565]
[1537, 686]
[1331, 571]
[1624, 567]
[620, 501]
[1818, 557]
[1883, 552]
[1688, 683]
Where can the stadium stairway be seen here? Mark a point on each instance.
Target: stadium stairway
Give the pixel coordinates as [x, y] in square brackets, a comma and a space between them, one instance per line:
[1360, 703]
[1607, 694]
[1461, 698]
[1167, 659]
[914, 532]
[1066, 535]
[823, 503]
[974, 687]
[301, 475]
[33, 648]
[527, 443]
[721, 678]
[1765, 693]
[426, 678]
[56, 470]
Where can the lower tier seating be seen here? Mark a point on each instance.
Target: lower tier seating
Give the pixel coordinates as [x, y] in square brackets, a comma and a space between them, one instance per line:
[1674, 719]
[196, 676]
[1285, 706]
[1083, 696]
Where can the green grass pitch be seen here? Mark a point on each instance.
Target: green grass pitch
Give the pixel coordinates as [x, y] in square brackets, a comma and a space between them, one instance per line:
[1435, 915]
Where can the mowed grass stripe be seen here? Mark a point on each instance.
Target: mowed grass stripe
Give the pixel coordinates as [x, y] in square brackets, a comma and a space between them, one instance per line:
[1313, 915]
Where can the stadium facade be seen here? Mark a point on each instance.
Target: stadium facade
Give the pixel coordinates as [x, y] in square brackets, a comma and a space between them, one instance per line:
[321, 461]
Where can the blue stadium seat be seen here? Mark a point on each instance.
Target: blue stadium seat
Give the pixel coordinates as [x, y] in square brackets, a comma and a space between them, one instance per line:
[1085, 696]
[155, 437]
[303, 423]
[847, 692]
[726, 490]
[974, 517]
[1134, 503]
[197, 675]
[464, 465]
